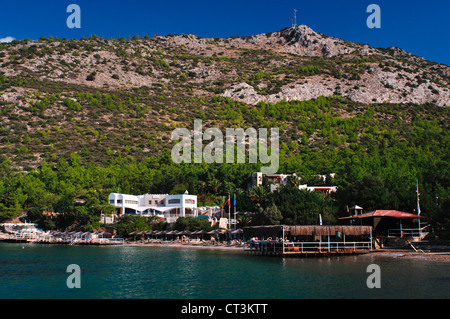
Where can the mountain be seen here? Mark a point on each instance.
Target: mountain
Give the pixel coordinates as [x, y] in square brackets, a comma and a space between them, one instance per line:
[80, 119]
[97, 96]
[294, 63]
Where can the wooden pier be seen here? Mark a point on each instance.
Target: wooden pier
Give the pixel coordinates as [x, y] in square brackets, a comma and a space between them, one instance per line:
[308, 241]
[306, 249]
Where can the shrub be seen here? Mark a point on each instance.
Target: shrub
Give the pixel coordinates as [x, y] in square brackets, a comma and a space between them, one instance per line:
[91, 76]
[71, 104]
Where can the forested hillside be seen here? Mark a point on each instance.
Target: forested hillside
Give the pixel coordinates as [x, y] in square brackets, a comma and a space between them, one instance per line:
[83, 118]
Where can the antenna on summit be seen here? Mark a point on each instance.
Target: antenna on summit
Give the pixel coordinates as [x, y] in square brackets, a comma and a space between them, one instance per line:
[294, 24]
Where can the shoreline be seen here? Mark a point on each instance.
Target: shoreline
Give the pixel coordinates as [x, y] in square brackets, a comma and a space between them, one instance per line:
[434, 256]
[442, 256]
[187, 245]
[439, 256]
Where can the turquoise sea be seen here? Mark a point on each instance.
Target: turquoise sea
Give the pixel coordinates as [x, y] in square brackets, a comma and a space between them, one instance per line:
[39, 271]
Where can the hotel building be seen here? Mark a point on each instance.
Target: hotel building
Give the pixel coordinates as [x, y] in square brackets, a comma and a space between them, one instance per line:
[169, 207]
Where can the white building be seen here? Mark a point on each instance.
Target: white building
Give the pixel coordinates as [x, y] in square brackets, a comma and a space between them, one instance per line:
[275, 180]
[169, 207]
[326, 190]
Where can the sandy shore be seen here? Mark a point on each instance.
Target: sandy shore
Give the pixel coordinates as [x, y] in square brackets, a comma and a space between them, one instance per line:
[404, 253]
[187, 245]
[443, 256]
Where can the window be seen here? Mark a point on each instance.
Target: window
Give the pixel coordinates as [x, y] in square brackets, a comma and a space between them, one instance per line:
[119, 201]
[111, 201]
[174, 201]
[135, 202]
[189, 201]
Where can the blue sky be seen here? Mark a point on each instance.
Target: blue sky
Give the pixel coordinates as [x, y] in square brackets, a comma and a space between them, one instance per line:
[417, 26]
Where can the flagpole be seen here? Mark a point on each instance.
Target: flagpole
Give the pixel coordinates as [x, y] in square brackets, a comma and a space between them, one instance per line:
[229, 215]
[418, 207]
[234, 205]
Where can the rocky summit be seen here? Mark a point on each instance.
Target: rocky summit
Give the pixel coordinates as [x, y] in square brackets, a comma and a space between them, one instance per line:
[295, 63]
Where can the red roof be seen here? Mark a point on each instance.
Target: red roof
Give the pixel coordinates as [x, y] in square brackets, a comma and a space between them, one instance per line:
[384, 213]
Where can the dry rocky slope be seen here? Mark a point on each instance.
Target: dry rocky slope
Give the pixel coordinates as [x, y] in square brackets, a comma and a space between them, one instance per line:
[295, 63]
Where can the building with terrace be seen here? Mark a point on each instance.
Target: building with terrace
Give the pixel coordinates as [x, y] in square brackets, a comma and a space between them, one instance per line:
[165, 206]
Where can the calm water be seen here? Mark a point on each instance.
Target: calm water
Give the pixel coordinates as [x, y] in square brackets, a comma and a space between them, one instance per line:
[39, 271]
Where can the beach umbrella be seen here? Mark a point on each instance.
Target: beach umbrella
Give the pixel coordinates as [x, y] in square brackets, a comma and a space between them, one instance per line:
[238, 232]
[221, 232]
[134, 233]
[196, 232]
[170, 233]
[202, 232]
[214, 232]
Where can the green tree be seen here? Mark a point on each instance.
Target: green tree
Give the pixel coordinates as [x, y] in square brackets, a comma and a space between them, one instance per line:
[259, 195]
[222, 201]
[302, 207]
[270, 215]
[128, 224]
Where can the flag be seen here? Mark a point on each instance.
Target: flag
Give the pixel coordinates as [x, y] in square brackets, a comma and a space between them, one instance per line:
[418, 195]
[320, 220]
[229, 205]
[234, 202]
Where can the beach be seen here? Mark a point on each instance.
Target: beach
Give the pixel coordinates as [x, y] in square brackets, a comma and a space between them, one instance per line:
[442, 255]
[199, 245]
[439, 251]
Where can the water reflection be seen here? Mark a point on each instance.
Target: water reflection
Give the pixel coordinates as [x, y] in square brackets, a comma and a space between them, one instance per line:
[155, 272]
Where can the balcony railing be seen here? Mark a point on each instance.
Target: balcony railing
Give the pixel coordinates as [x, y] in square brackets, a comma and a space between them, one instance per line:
[408, 232]
[278, 247]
